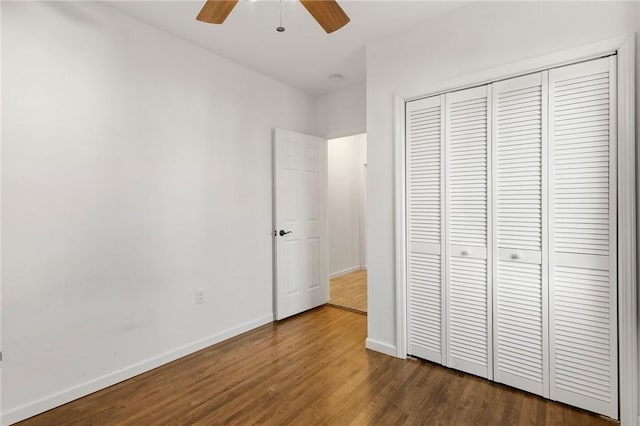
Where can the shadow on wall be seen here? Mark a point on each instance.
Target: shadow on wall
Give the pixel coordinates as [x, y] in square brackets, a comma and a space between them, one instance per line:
[72, 11]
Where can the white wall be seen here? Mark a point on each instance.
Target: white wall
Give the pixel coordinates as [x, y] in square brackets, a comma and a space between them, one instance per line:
[480, 36]
[342, 112]
[345, 203]
[135, 168]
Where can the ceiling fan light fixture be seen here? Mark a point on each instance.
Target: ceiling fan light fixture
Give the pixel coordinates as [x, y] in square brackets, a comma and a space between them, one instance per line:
[280, 28]
[327, 13]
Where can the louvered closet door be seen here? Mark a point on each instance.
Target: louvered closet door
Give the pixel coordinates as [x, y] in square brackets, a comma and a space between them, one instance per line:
[468, 305]
[424, 126]
[582, 302]
[520, 272]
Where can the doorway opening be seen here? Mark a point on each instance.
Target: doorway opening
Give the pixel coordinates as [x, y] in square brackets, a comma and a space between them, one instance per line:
[346, 210]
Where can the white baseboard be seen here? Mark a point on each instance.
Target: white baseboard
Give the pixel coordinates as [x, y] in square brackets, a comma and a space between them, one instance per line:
[382, 347]
[36, 407]
[363, 267]
[344, 271]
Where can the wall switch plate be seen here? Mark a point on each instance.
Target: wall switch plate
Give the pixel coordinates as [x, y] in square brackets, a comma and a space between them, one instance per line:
[199, 296]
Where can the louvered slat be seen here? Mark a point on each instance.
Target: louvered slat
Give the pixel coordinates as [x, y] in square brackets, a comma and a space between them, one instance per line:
[424, 156]
[520, 347]
[519, 331]
[582, 303]
[519, 157]
[467, 303]
[425, 305]
[424, 206]
[593, 169]
[582, 334]
[468, 314]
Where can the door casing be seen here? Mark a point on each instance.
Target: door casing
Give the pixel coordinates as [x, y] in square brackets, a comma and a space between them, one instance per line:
[624, 48]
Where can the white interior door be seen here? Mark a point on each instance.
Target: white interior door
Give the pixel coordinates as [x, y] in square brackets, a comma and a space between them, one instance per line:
[468, 266]
[300, 222]
[425, 230]
[520, 330]
[583, 281]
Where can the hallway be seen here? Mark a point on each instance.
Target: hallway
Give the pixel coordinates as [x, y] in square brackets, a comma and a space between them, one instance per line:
[350, 291]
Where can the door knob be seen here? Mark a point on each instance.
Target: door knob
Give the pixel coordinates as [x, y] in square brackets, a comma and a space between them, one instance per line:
[515, 256]
[283, 233]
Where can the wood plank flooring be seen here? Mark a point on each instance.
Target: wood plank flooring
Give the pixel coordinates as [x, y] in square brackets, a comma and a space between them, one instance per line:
[307, 370]
[350, 291]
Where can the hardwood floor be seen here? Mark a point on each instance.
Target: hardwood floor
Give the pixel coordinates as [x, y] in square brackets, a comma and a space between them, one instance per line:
[309, 369]
[350, 291]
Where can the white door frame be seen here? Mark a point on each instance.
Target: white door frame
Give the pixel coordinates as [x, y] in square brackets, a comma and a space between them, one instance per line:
[624, 47]
[0, 218]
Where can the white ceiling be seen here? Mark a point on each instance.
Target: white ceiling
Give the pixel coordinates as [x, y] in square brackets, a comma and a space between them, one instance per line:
[304, 56]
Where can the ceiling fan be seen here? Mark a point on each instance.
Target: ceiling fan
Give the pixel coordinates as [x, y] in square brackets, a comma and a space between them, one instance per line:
[328, 13]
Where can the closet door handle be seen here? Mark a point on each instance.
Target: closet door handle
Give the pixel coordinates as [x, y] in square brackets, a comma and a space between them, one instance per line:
[515, 256]
[464, 252]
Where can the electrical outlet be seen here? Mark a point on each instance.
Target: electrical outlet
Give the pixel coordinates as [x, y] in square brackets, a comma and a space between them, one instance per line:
[199, 296]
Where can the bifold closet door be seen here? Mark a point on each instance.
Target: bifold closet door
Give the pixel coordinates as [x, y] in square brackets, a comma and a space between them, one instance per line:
[520, 330]
[425, 139]
[468, 306]
[582, 262]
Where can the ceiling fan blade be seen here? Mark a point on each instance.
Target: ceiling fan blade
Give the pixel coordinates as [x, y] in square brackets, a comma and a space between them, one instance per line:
[328, 13]
[216, 11]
